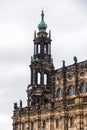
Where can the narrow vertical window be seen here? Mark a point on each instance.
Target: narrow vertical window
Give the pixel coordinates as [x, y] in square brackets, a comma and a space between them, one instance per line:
[57, 123]
[83, 87]
[71, 90]
[38, 49]
[44, 124]
[38, 78]
[59, 93]
[45, 79]
[38, 100]
[32, 125]
[71, 122]
[45, 49]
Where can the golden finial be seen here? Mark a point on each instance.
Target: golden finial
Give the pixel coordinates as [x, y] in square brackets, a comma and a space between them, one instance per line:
[42, 10]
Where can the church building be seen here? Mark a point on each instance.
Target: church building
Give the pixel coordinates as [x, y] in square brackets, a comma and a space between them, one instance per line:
[56, 99]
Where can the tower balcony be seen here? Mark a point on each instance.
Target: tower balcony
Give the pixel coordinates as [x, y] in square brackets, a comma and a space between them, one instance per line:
[41, 57]
[39, 89]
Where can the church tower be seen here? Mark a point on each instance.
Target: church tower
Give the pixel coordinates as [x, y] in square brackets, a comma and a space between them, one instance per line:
[41, 66]
[39, 91]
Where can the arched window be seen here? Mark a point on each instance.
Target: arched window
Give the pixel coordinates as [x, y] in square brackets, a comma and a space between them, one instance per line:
[71, 90]
[38, 78]
[38, 49]
[43, 124]
[45, 79]
[57, 123]
[71, 122]
[45, 49]
[59, 93]
[83, 87]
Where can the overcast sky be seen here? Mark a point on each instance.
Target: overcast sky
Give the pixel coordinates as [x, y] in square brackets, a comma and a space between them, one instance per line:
[67, 20]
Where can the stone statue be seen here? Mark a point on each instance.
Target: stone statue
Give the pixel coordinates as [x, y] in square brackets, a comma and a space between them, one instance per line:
[20, 103]
[15, 106]
[75, 59]
[63, 63]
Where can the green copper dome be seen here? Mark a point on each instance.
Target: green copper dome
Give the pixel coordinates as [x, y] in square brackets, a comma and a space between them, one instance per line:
[42, 26]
